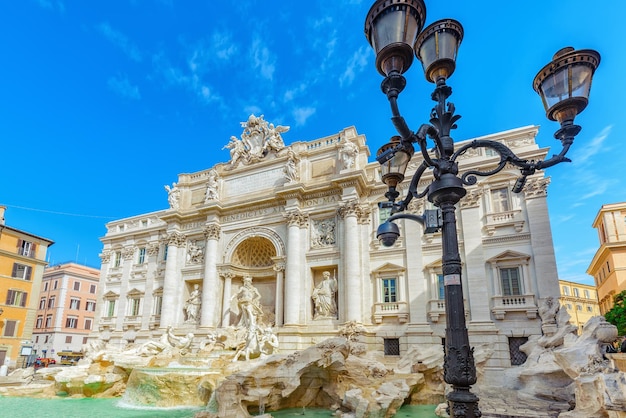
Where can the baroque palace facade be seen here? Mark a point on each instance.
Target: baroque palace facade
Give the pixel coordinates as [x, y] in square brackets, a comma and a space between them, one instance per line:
[300, 221]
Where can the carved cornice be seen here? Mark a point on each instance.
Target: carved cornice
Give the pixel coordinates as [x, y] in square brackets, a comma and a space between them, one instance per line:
[507, 238]
[536, 188]
[212, 231]
[176, 239]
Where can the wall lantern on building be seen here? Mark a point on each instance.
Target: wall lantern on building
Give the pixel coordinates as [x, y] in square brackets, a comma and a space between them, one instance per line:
[394, 30]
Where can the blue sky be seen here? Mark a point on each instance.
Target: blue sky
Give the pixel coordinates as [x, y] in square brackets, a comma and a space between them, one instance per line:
[103, 103]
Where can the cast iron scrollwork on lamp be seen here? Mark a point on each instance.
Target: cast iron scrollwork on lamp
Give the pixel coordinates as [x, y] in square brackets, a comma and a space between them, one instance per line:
[394, 30]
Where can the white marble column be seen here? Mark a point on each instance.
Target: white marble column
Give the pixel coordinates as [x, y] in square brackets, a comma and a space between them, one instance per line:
[210, 314]
[175, 240]
[474, 287]
[228, 283]
[541, 242]
[352, 277]
[293, 279]
[147, 309]
[122, 309]
[279, 268]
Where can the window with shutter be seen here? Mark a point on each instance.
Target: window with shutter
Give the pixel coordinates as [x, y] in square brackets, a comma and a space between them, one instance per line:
[9, 328]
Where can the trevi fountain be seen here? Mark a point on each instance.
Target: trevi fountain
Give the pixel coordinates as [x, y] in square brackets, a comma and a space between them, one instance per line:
[241, 372]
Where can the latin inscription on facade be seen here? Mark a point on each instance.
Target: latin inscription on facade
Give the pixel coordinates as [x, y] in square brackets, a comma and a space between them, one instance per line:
[255, 182]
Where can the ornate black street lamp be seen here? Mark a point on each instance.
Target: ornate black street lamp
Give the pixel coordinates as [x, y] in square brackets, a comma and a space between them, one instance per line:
[394, 29]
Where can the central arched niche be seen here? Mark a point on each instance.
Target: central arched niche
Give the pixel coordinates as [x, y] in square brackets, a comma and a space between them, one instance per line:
[254, 257]
[254, 253]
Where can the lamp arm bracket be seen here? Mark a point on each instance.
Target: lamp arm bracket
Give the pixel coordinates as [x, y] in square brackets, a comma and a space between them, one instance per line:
[420, 137]
[417, 218]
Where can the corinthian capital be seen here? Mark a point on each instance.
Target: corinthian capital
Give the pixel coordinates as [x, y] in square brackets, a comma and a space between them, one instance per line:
[212, 231]
[176, 239]
[350, 208]
[297, 218]
[536, 188]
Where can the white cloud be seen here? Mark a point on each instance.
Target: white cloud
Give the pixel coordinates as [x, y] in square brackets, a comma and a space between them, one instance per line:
[224, 46]
[52, 5]
[262, 59]
[356, 63]
[189, 81]
[124, 88]
[121, 41]
[301, 114]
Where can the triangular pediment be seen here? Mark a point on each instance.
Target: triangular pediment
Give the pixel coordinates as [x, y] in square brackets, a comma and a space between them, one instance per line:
[388, 267]
[135, 292]
[111, 295]
[509, 255]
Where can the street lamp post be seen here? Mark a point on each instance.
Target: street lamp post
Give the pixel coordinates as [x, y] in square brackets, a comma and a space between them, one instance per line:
[394, 30]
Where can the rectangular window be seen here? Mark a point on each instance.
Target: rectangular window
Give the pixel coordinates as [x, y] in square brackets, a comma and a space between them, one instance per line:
[51, 302]
[92, 288]
[48, 321]
[37, 339]
[500, 200]
[47, 338]
[56, 284]
[165, 253]
[26, 248]
[392, 346]
[383, 215]
[389, 290]
[510, 281]
[39, 322]
[587, 294]
[134, 306]
[74, 303]
[9, 328]
[45, 286]
[579, 307]
[16, 298]
[110, 308]
[566, 290]
[77, 286]
[21, 271]
[441, 289]
[142, 255]
[71, 322]
[589, 309]
[608, 267]
[118, 259]
[68, 339]
[87, 323]
[576, 292]
[90, 306]
[517, 356]
[85, 340]
[42, 303]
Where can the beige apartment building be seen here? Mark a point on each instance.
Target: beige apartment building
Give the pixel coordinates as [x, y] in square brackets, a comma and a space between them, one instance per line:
[294, 219]
[66, 308]
[608, 266]
[580, 301]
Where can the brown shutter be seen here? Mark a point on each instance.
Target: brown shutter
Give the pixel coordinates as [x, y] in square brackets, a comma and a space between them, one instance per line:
[9, 297]
[33, 250]
[19, 244]
[14, 272]
[24, 297]
[9, 328]
[29, 271]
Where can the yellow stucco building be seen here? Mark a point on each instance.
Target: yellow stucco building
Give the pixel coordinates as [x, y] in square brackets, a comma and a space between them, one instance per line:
[580, 301]
[22, 262]
[608, 266]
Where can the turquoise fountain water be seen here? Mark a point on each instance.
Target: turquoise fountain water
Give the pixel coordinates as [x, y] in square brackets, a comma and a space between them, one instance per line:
[15, 407]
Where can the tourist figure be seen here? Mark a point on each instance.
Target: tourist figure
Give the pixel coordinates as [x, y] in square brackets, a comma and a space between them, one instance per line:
[192, 305]
[324, 298]
[173, 196]
[249, 304]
